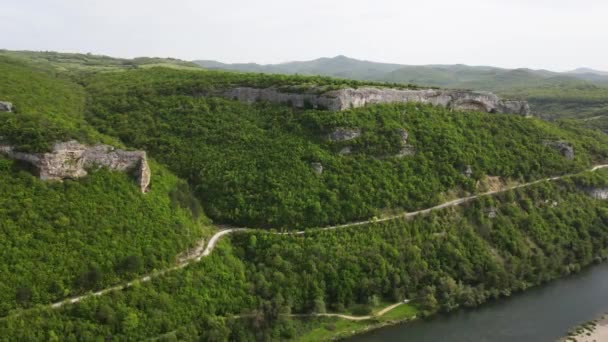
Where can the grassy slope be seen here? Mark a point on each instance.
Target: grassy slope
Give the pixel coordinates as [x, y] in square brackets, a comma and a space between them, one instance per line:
[78, 62]
[48, 108]
[251, 163]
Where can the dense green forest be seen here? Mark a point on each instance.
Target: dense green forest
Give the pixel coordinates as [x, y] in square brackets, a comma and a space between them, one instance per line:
[251, 164]
[452, 258]
[62, 239]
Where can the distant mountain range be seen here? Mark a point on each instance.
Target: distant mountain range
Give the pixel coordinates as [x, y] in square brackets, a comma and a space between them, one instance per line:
[447, 76]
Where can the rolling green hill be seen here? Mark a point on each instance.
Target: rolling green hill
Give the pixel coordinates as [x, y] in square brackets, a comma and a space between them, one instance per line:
[273, 168]
[79, 62]
[251, 164]
[60, 239]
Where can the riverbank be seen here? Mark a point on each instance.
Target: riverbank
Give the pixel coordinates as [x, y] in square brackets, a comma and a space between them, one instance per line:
[333, 328]
[592, 331]
[529, 316]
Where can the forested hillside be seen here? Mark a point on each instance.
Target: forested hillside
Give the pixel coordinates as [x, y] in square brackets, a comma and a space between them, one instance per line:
[271, 166]
[453, 258]
[64, 238]
[251, 164]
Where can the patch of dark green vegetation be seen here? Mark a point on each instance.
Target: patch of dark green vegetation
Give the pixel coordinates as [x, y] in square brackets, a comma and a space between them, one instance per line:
[62, 239]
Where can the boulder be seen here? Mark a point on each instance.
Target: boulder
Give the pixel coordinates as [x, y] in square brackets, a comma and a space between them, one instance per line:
[406, 149]
[344, 134]
[345, 150]
[563, 147]
[317, 168]
[468, 172]
[404, 135]
[6, 106]
[491, 212]
[598, 193]
[71, 159]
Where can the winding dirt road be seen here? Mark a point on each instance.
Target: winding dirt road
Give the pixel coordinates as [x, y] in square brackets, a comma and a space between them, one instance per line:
[199, 254]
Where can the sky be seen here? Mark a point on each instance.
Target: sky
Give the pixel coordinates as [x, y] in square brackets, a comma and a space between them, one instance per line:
[541, 34]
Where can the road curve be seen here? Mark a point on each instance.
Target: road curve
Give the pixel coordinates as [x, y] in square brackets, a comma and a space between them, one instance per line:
[195, 257]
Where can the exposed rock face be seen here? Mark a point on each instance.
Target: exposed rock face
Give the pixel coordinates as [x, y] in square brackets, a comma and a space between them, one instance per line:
[468, 172]
[6, 106]
[404, 135]
[491, 212]
[515, 107]
[563, 147]
[346, 150]
[317, 168]
[344, 134]
[598, 193]
[353, 98]
[406, 149]
[69, 160]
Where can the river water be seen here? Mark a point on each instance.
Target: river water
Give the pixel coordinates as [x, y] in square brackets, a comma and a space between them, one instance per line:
[545, 313]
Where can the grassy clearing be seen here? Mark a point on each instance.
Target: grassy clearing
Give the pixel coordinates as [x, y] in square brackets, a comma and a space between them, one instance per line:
[332, 328]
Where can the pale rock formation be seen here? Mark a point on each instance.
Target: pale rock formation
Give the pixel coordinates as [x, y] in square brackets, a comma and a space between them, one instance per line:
[6, 106]
[598, 193]
[348, 98]
[406, 149]
[345, 150]
[344, 134]
[563, 147]
[468, 172]
[491, 212]
[69, 160]
[317, 168]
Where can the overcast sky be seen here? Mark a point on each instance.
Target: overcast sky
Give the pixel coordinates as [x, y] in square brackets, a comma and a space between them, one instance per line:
[550, 34]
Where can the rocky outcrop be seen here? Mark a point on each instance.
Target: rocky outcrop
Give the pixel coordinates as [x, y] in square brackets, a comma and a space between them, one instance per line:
[344, 134]
[491, 212]
[317, 168]
[6, 106]
[598, 193]
[346, 150]
[70, 160]
[406, 149]
[563, 147]
[353, 98]
[468, 171]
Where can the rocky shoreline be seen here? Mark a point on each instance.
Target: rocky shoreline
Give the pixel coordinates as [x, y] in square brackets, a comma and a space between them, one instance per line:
[592, 331]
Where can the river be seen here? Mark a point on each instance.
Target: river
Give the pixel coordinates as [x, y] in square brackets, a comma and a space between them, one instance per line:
[544, 313]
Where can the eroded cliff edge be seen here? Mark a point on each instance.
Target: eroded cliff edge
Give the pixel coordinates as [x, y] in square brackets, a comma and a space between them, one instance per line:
[71, 159]
[342, 99]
